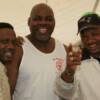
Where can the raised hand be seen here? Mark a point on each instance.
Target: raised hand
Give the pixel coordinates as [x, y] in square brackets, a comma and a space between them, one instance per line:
[73, 59]
[74, 55]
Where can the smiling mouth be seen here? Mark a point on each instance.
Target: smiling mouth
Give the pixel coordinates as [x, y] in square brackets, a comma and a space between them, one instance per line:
[92, 46]
[43, 30]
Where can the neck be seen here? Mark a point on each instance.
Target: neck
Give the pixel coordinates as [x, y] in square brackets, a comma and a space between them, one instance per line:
[45, 47]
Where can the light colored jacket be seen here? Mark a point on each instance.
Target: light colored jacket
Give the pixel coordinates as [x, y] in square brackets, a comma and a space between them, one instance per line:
[4, 84]
[86, 84]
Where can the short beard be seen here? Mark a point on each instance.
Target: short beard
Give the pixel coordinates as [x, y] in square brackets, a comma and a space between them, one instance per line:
[44, 41]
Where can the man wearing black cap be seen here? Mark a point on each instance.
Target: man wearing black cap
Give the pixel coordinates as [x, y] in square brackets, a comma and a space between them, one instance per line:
[86, 77]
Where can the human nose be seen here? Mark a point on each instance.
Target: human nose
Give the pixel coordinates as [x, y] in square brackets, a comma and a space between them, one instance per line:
[90, 39]
[10, 45]
[43, 21]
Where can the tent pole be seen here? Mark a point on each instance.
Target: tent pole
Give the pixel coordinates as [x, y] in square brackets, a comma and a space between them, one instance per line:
[95, 5]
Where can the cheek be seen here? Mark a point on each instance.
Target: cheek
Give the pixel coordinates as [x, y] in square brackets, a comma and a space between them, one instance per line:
[52, 25]
[83, 41]
[1, 46]
[98, 38]
[1, 52]
[33, 28]
[98, 41]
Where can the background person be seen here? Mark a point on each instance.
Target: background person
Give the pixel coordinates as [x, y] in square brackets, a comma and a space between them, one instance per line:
[10, 57]
[82, 82]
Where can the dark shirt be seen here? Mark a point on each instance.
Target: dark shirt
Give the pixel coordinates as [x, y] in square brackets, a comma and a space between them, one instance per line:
[86, 55]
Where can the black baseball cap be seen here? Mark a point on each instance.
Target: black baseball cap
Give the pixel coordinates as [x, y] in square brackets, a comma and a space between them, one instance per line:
[89, 20]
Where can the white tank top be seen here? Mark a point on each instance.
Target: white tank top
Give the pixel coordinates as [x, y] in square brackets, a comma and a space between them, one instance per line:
[38, 72]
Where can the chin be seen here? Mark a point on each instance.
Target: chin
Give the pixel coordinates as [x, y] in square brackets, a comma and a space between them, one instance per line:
[44, 40]
[8, 61]
[95, 52]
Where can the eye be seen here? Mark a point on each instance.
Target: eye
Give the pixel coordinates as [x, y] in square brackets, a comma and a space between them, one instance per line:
[84, 36]
[95, 33]
[49, 18]
[37, 18]
[4, 41]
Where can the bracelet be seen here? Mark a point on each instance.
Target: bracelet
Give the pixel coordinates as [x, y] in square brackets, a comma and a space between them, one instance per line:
[69, 73]
[68, 76]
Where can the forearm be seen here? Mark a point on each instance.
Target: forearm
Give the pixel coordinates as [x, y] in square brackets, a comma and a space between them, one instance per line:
[68, 76]
[63, 89]
[65, 85]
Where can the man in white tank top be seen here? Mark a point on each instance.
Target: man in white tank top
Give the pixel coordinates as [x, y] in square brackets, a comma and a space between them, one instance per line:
[43, 60]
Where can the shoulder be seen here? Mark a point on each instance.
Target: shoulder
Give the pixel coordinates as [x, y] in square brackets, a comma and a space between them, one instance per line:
[62, 44]
[2, 68]
[90, 62]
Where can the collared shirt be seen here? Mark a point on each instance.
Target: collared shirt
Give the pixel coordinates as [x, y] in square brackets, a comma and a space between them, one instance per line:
[86, 84]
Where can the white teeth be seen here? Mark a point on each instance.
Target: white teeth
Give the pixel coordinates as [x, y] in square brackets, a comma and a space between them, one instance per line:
[92, 46]
[43, 30]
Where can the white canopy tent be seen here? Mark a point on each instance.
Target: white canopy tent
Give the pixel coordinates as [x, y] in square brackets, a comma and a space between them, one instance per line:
[67, 12]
